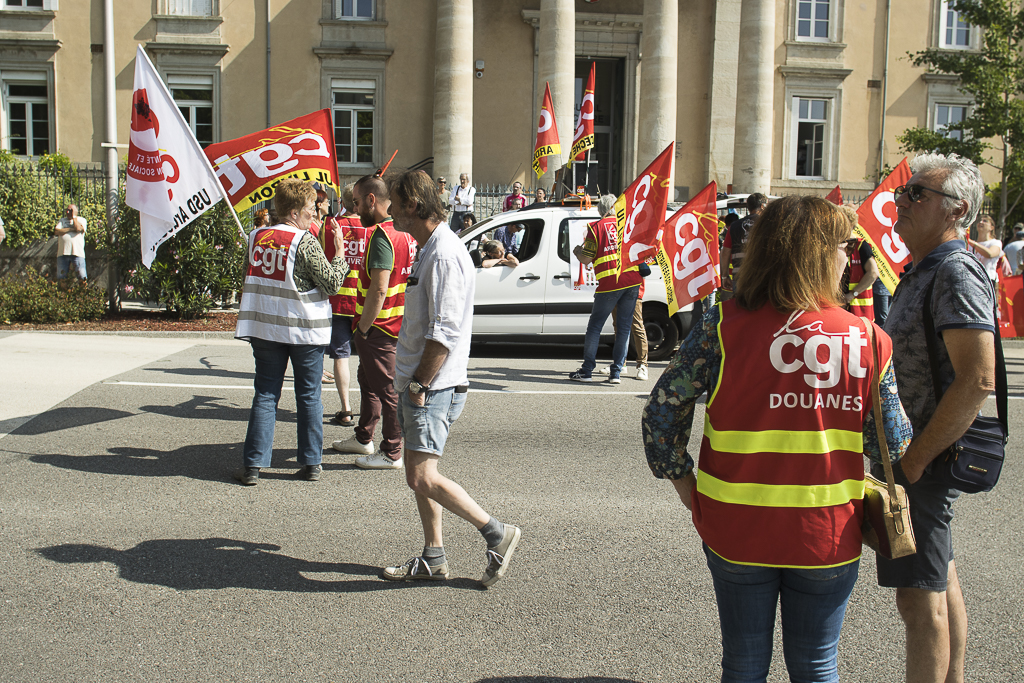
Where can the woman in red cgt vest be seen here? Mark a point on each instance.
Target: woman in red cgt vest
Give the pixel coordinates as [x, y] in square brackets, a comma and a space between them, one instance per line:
[778, 498]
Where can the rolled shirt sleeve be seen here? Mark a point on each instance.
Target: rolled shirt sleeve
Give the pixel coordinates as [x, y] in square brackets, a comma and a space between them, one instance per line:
[447, 305]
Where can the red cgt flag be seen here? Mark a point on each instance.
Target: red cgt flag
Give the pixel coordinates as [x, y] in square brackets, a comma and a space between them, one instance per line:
[875, 220]
[640, 211]
[688, 254]
[251, 166]
[547, 135]
[835, 196]
[584, 137]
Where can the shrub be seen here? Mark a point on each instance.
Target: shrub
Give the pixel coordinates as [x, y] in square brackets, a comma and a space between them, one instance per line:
[192, 271]
[33, 198]
[31, 298]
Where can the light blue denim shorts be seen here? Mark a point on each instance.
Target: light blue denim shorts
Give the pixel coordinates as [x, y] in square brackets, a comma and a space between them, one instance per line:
[425, 428]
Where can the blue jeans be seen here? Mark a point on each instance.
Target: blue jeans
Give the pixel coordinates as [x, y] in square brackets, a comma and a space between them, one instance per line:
[308, 367]
[64, 262]
[882, 299]
[813, 606]
[604, 302]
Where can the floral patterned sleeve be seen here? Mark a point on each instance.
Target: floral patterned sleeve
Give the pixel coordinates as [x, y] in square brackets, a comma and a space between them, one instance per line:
[668, 415]
[312, 269]
[898, 430]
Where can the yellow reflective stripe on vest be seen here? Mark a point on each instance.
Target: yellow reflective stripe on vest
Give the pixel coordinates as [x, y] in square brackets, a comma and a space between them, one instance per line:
[783, 441]
[347, 291]
[394, 312]
[780, 495]
[397, 289]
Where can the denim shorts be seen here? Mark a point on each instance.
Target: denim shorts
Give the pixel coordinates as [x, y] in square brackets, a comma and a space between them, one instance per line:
[425, 428]
[931, 512]
[341, 337]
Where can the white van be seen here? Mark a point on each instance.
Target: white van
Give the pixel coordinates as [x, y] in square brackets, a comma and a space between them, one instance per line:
[540, 301]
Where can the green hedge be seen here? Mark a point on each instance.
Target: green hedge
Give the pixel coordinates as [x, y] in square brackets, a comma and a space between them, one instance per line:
[31, 298]
[193, 271]
[33, 196]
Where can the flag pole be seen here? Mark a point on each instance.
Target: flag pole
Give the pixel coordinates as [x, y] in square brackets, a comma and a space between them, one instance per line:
[586, 173]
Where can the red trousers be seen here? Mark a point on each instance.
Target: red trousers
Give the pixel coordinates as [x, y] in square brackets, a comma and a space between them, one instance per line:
[378, 398]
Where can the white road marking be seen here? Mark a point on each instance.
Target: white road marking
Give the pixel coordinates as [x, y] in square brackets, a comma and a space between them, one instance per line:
[355, 390]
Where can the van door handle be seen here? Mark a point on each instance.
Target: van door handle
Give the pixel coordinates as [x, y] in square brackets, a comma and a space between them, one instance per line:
[563, 276]
[530, 277]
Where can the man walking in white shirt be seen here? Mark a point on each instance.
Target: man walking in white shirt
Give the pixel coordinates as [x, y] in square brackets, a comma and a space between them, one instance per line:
[431, 377]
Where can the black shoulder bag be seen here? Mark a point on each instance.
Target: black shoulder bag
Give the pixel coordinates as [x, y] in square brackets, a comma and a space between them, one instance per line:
[974, 462]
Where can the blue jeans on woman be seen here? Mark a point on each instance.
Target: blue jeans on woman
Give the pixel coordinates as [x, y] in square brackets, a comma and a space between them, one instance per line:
[308, 367]
[604, 302]
[813, 607]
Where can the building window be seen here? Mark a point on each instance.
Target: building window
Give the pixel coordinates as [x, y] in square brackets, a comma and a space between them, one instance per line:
[354, 9]
[812, 19]
[29, 4]
[949, 114]
[956, 33]
[353, 105]
[189, 8]
[811, 131]
[27, 106]
[194, 97]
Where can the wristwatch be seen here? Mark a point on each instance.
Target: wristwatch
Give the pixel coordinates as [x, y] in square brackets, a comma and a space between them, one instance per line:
[362, 334]
[417, 388]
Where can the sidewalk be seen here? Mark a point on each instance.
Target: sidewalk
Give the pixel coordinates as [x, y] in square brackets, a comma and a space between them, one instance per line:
[42, 369]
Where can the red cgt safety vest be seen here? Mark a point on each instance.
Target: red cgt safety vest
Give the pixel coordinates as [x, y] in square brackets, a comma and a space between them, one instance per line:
[389, 320]
[344, 302]
[864, 303]
[781, 477]
[603, 234]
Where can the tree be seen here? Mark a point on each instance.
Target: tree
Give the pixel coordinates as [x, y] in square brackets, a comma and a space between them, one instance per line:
[994, 78]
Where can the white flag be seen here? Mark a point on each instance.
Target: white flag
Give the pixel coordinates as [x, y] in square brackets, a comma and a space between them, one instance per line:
[170, 180]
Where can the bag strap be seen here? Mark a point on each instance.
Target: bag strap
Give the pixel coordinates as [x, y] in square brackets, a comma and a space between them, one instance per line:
[930, 338]
[883, 445]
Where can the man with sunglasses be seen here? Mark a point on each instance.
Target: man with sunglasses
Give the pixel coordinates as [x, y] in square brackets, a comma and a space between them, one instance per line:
[934, 209]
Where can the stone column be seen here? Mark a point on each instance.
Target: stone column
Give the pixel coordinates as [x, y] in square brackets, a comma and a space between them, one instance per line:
[659, 58]
[453, 90]
[755, 84]
[722, 98]
[556, 65]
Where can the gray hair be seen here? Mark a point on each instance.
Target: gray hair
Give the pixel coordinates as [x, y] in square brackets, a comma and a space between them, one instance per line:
[963, 180]
[605, 204]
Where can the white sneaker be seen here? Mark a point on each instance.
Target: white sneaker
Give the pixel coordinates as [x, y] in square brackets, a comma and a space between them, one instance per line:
[641, 372]
[605, 371]
[378, 461]
[352, 445]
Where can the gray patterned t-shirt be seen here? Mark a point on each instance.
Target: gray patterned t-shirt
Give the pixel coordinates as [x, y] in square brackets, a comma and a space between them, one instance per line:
[961, 299]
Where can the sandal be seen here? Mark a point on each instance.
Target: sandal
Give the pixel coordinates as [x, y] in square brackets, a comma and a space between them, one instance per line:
[328, 378]
[343, 418]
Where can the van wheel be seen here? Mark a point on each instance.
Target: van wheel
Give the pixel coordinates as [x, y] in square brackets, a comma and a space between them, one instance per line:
[662, 333]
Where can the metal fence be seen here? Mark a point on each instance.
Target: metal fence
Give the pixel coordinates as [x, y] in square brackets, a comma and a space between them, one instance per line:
[77, 183]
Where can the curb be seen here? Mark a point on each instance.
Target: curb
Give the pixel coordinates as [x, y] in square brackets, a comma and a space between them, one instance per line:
[171, 335]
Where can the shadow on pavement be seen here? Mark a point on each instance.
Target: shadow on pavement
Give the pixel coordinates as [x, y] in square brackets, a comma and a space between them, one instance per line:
[215, 563]
[69, 418]
[555, 679]
[211, 408]
[203, 372]
[207, 462]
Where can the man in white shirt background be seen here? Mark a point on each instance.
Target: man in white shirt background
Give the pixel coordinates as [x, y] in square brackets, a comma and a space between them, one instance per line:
[461, 201]
[70, 234]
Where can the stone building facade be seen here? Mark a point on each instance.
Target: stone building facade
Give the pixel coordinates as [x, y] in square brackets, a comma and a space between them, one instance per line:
[776, 96]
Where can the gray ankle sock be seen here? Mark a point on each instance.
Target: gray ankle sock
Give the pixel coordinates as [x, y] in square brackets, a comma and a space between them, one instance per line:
[434, 556]
[493, 532]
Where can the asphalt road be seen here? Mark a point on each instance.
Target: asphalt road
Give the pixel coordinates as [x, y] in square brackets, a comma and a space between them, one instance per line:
[128, 553]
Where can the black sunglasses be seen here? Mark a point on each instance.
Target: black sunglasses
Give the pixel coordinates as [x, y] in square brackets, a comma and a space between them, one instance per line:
[914, 192]
[849, 245]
